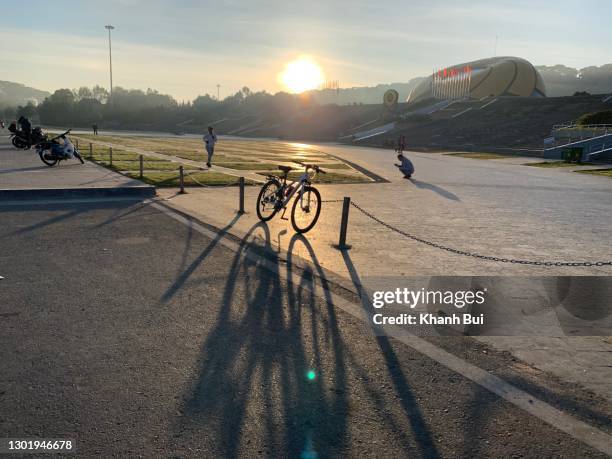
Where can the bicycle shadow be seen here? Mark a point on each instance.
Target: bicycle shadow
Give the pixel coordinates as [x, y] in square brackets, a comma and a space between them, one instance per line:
[255, 359]
[273, 371]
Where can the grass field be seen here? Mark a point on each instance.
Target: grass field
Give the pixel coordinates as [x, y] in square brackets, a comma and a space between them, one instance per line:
[171, 179]
[477, 155]
[604, 172]
[243, 156]
[555, 164]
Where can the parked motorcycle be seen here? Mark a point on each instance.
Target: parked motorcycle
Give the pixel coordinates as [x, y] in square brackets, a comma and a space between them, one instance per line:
[24, 141]
[59, 148]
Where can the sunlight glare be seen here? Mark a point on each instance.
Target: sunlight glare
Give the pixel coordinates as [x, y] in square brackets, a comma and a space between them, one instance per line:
[302, 75]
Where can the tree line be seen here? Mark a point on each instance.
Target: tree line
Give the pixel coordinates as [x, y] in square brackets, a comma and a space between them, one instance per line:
[138, 109]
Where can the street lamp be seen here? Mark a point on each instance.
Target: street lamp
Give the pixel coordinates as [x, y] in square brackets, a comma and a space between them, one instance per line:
[110, 58]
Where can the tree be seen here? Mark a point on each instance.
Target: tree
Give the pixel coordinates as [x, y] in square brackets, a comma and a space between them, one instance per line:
[57, 108]
[84, 93]
[99, 93]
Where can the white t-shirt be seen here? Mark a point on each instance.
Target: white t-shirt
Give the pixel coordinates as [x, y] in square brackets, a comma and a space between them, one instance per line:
[210, 140]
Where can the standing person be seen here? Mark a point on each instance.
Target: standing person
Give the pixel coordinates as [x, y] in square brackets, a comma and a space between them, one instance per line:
[405, 166]
[94, 127]
[210, 139]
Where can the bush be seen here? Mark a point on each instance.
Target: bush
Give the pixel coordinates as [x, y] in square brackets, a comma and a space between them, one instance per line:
[604, 117]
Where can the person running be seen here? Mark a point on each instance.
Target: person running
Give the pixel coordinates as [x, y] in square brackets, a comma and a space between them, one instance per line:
[210, 139]
[405, 166]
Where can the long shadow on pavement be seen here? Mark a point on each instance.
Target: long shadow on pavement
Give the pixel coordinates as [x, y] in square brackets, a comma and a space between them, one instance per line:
[421, 431]
[184, 275]
[281, 359]
[436, 189]
[257, 350]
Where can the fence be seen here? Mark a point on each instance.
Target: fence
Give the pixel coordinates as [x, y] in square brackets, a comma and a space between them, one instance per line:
[347, 203]
[342, 245]
[182, 173]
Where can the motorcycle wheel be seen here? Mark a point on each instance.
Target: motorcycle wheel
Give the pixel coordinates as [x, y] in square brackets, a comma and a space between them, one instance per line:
[18, 142]
[48, 161]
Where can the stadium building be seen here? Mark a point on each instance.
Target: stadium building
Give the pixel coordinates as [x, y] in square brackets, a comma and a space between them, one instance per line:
[492, 77]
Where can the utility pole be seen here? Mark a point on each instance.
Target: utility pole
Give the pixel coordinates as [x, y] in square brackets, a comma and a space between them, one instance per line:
[110, 58]
[218, 86]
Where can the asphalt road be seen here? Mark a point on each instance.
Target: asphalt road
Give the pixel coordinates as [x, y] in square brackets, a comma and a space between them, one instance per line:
[139, 336]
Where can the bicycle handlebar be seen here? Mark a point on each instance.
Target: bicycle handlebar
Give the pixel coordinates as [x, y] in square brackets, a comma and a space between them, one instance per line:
[314, 167]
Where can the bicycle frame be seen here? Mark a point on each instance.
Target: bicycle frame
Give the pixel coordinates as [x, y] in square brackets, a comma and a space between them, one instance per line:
[303, 181]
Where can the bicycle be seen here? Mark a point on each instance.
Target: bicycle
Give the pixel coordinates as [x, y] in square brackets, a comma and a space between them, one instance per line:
[276, 194]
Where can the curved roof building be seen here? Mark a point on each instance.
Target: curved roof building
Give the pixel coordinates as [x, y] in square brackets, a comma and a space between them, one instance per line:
[492, 77]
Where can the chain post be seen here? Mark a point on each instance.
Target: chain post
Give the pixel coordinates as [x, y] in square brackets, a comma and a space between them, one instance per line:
[141, 160]
[181, 180]
[241, 195]
[90, 151]
[346, 205]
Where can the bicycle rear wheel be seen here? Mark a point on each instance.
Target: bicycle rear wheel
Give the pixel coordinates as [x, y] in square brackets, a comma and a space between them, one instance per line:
[306, 210]
[268, 200]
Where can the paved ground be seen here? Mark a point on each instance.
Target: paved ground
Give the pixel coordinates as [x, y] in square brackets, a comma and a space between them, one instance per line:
[139, 336]
[493, 207]
[23, 170]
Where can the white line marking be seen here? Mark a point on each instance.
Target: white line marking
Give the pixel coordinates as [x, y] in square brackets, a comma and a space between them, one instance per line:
[581, 431]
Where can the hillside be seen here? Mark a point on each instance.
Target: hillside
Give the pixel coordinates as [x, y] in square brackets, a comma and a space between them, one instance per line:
[565, 81]
[506, 123]
[14, 94]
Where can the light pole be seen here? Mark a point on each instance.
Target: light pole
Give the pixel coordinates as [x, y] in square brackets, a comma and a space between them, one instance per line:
[110, 58]
[218, 86]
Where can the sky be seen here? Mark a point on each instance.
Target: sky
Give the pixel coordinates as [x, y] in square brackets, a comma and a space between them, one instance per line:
[186, 48]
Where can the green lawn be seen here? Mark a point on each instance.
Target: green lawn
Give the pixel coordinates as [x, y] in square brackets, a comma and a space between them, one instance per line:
[171, 179]
[147, 165]
[477, 155]
[240, 155]
[254, 166]
[604, 172]
[555, 164]
[329, 177]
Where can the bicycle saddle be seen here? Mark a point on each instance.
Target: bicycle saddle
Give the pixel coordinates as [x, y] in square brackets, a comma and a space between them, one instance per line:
[285, 168]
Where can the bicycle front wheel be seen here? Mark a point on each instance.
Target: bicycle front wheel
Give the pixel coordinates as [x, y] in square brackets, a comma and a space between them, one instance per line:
[306, 210]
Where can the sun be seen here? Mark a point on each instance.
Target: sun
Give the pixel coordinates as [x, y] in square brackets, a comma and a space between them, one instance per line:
[301, 75]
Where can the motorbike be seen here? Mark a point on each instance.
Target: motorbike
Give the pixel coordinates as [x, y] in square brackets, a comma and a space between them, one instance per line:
[24, 141]
[56, 149]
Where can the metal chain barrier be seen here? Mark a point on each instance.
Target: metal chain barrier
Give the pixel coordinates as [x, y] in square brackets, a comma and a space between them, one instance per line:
[474, 254]
[189, 172]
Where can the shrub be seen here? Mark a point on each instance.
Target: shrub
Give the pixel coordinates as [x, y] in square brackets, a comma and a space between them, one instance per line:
[604, 117]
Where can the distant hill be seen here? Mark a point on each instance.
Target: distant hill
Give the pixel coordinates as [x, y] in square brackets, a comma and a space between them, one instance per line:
[13, 94]
[565, 81]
